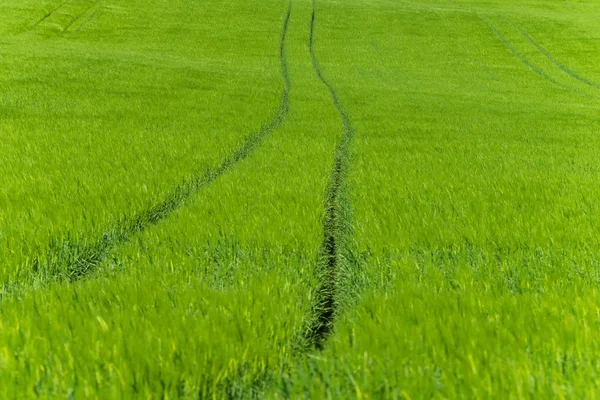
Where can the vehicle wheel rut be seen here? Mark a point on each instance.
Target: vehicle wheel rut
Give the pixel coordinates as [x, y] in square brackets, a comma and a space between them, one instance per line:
[52, 17]
[337, 221]
[522, 58]
[553, 60]
[70, 260]
[47, 15]
[81, 14]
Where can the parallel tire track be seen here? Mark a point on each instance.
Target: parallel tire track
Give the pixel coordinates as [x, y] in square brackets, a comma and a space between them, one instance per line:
[72, 22]
[47, 15]
[528, 63]
[86, 22]
[554, 61]
[68, 260]
[522, 58]
[540, 72]
[81, 14]
[337, 222]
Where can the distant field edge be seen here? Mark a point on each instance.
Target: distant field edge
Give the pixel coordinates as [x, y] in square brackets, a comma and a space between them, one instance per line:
[70, 259]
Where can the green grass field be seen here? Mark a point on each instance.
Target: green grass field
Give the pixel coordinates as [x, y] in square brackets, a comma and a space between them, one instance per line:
[299, 199]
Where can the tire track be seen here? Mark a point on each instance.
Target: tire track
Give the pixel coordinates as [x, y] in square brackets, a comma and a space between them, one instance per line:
[554, 61]
[86, 22]
[69, 260]
[47, 15]
[72, 22]
[337, 226]
[81, 14]
[467, 49]
[540, 72]
[522, 58]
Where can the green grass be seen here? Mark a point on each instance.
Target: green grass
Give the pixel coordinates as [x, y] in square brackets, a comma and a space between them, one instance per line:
[358, 199]
[472, 181]
[96, 127]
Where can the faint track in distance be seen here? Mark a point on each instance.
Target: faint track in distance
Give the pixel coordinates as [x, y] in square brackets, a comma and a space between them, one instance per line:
[553, 59]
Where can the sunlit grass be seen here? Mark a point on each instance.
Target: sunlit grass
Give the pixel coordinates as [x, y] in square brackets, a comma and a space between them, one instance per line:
[468, 199]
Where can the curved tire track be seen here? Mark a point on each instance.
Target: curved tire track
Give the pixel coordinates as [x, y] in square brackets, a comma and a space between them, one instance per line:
[81, 14]
[72, 22]
[522, 58]
[47, 15]
[540, 72]
[86, 22]
[68, 260]
[554, 61]
[335, 249]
